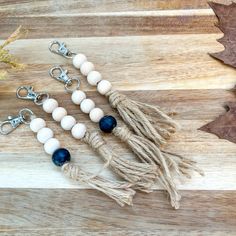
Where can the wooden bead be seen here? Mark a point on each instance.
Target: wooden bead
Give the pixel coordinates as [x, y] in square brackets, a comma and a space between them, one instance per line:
[59, 113]
[51, 146]
[78, 60]
[107, 124]
[78, 96]
[96, 114]
[86, 67]
[104, 86]
[87, 105]
[68, 122]
[50, 105]
[37, 124]
[78, 131]
[44, 134]
[61, 156]
[94, 77]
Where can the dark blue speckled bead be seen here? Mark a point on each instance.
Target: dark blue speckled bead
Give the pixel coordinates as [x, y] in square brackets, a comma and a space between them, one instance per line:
[107, 124]
[60, 156]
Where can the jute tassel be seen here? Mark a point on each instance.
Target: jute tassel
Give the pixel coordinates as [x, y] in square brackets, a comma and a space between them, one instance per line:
[119, 191]
[141, 175]
[146, 120]
[168, 164]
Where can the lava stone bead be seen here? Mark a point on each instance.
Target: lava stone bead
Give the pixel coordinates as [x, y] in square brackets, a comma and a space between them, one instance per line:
[107, 124]
[60, 156]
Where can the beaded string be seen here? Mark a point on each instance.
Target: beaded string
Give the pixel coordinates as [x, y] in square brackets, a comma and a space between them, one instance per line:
[146, 120]
[143, 148]
[140, 175]
[121, 192]
[152, 126]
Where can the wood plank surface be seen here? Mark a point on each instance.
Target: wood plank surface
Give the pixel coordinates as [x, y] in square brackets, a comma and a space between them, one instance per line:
[153, 51]
[69, 212]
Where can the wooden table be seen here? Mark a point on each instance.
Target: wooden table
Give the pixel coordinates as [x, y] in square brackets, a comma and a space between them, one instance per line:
[154, 51]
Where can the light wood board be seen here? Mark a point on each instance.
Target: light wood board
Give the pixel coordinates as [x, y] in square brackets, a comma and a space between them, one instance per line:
[153, 51]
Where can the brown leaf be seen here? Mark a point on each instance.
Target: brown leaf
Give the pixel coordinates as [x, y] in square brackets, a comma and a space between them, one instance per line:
[226, 15]
[225, 125]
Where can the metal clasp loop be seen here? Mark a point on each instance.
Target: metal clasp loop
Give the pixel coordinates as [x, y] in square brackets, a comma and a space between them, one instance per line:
[58, 73]
[27, 93]
[60, 49]
[24, 117]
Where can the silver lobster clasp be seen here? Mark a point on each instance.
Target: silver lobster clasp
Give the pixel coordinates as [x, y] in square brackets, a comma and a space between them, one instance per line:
[58, 73]
[60, 49]
[24, 117]
[27, 93]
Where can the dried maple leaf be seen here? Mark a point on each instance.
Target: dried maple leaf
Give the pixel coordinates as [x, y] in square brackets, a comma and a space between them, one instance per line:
[225, 125]
[226, 15]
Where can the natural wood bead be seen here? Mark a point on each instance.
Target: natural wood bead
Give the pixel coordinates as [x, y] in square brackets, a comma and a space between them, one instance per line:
[78, 60]
[78, 96]
[94, 77]
[37, 124]
[44, 134]
[104, 86]
[59, 113]
[87, 105]
[49, 105]
[68, 122]
[78, 131]
[86, 67]
[96, 114]
[51, 146]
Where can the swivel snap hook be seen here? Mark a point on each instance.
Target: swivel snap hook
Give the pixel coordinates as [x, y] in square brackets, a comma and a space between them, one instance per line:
[27, 93]
[58, 73]
[60, 49]
[12, 122]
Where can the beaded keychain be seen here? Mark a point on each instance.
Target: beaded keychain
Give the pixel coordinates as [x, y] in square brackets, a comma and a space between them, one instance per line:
[139, 145]
[121, 192]
[140, 175]
[151, 126]
[146, 120]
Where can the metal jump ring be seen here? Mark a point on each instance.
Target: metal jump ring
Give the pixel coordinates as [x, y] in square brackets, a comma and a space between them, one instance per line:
[69, 83]
[25, 111]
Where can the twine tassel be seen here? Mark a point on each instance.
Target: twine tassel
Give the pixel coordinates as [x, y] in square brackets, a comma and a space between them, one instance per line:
[168, 164]
[141, 175]
[119, 191]
[146, 120]
[149, 153]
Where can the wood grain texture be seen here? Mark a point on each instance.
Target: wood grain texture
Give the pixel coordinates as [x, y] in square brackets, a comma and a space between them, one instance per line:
[130, 63]
[153, 51]
[60, 212]
[107, 18]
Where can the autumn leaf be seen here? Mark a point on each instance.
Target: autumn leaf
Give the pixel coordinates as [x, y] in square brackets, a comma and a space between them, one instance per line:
[226, 15]
[225, 125]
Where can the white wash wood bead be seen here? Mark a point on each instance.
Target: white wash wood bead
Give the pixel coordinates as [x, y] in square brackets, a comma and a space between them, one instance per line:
[59, 113]
[50, 105]
[78, 131]
[78, 60]
[44, 134]
[78, 96]
[87, 105]
[94, 77]
[86, 67]
[51, 146]
[96, 114]
[104, 86]
[68, 122]
[37, 124]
